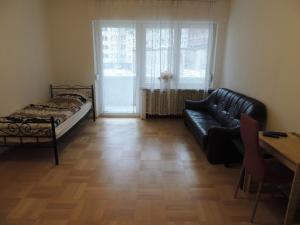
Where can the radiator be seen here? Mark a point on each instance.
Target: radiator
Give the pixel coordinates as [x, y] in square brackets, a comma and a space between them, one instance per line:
[167, 103]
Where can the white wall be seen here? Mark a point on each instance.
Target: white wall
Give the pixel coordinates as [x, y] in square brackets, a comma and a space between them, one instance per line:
[25, 72]
[262, 57]
[71, 41]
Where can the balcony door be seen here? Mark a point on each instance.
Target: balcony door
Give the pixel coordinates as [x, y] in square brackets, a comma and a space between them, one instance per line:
[118, 59]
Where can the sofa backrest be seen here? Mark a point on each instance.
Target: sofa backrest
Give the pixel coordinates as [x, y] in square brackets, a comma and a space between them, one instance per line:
[227, 106]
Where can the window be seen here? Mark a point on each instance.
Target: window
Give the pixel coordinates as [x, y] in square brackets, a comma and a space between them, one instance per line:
[118, 69]
[118, 51]
[146, 49]
[158, 54]
[194, 57]
[182, 49]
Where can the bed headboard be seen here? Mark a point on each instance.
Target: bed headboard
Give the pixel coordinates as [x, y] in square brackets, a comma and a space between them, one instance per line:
[86, 90]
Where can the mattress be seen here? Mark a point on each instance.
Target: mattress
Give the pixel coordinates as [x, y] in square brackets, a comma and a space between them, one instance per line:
[71, 121]
[60, 130]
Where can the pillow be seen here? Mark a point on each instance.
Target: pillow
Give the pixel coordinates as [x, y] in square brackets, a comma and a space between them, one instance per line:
[78, 95]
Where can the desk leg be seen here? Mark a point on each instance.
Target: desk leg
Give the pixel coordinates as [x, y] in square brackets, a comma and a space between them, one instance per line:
[293, 198]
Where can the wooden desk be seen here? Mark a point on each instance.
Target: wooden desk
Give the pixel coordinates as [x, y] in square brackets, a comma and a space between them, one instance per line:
[287, 151]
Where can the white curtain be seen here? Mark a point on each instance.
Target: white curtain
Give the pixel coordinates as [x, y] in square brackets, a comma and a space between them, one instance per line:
[174, 41]
[178, 55]
[162, 9]
[160, 55]
[115, 60]
[177, 39]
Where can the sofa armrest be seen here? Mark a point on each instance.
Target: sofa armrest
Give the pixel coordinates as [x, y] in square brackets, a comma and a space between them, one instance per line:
[220, 147]
[196, 105]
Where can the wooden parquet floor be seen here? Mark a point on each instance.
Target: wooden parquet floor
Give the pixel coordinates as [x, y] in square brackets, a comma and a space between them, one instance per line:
[125, 172]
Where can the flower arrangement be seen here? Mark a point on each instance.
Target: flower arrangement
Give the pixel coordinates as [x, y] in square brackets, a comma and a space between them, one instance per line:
[165, 80]
[165, 76]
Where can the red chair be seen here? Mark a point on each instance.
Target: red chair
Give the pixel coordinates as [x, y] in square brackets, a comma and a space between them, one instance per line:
[260, 169]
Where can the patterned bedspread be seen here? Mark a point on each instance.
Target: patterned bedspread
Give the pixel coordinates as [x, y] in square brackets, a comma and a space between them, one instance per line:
[36, 116]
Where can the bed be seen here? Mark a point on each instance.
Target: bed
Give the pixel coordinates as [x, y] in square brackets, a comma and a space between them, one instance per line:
[45, 123]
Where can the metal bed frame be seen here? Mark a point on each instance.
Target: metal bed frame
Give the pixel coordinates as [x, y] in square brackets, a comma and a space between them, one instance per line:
[20, 131]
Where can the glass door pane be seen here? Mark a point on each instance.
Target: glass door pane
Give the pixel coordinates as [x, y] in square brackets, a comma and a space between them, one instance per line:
[194, 52]
[119, 70]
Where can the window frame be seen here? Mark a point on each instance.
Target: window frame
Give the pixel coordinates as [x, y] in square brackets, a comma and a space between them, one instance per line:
[178, 26]
[212, 28]
[140, 32]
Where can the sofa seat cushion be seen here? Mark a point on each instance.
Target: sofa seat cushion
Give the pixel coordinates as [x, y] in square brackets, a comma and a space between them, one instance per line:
[201, 122]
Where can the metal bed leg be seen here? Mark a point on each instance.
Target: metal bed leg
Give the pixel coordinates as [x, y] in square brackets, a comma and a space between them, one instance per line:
[55, 152]
[94, 115]
[54, 141]
[93, 102]
[51, 90]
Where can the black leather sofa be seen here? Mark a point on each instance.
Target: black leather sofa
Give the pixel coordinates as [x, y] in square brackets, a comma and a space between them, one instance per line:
[215, 122]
